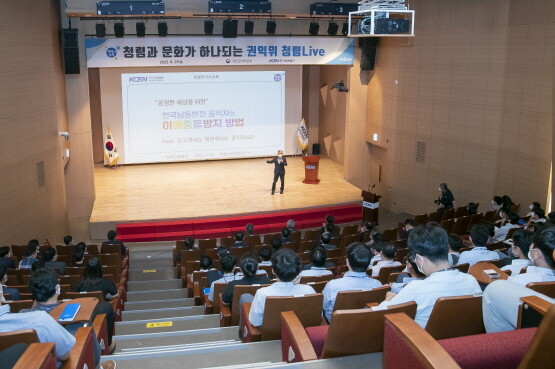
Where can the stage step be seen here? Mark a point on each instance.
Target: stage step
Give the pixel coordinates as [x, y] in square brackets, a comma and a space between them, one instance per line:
[162, 313]
[168, 325]
[177, 293]
[230, 353]
[159, 304]
[151, 274]
[125, 342]
[165, 284]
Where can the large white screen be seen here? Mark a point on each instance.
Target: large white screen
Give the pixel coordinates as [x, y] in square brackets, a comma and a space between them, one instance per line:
[202, 115]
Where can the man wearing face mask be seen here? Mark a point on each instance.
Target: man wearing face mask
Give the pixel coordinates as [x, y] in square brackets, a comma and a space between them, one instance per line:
[430, 246]
[280, 162]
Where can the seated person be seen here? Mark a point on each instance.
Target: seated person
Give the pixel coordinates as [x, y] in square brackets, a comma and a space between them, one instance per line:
[472, 208]
[541, 255]
[455, 244]
[265, 255]
[13, 292]
[276, 244]
[329, 229]
[49, 260]
[532, 206]
[79, 254]
[411, 273]
[318, 261]
[249, 228]
[538, 217]
[291, 225]
[206, 265]
[478, 237]
[329, 224]
[502, 231]
[325, 240]
[430, 247]
[239, 236]
[408, 227]
[521, 241]
[387, 255]
[285, 232]
[249, 268]
[68, 240]
[365, 228]
[112, 241]
[6, 257]
[31, 255]
[228, 263]
[376, 251]
[356, 279]
[328, 264]
[286, 265]
[188, 245]
[93, 280]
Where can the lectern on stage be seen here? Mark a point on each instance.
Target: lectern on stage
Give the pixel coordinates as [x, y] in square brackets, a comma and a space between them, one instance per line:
[311, 169]
[370, 206]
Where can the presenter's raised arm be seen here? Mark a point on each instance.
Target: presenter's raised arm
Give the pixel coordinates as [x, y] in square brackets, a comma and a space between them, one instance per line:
[270, 161]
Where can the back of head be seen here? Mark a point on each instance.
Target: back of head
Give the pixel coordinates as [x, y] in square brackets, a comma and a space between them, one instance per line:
[503, 212]
[4, 251]
[523, 239]
[205, 262]
[265, 254]
[330, 219]
[513, 218]
[318, 257]
[249, 228]
[491, 229]
[43, 284]
[285, 232]
[49, 254]
[369, 226]
[81, 247]
[507, 201]
[37, 265]
[291, 224]
[359, 257]
[33, 243]
[455, 242]
[276, 243]
[248, 264]
[388, 250]
[239, 236]
[377, 236]
[3, 272]
[544, 240]
[68, 239]
[30, 251]
[551, 215]
[325, 238]
[222, 251]
[540, 213]
[431, 242]
[377, 246]
[536, 204]
[286, 265]
[498, 200]
[330, 227]
[111, 235]
[479, 234]
[93, 270]
[410, 221]
[472, 208]
[189, 243]
[228, 263]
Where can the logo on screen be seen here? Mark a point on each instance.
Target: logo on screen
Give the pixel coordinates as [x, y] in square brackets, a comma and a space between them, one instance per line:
[277, 77]
[111, 52]
[138, 79]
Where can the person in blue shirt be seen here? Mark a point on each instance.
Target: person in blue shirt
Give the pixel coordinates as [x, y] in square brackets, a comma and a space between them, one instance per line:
[479, 235]
[31, 255]
[13, 292]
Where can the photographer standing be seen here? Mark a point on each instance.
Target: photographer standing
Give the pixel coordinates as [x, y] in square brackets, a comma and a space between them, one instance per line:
[446, 199]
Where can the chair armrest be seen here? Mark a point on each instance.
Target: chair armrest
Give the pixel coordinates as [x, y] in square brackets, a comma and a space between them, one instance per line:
[190, 285]
[208, 306]
[250, 332]
[83, 352]
[225, 314]
[372, 304]
[376, 277]
[100, 327]
[537, 303]
[197, 293]
[37, 355]
[295, 344]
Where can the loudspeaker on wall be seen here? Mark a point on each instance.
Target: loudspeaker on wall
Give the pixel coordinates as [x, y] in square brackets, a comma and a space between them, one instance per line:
[70, 47]
[315, 149]
[368, 46]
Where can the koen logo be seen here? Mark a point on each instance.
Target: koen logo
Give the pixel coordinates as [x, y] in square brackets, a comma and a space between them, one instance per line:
[138, 79]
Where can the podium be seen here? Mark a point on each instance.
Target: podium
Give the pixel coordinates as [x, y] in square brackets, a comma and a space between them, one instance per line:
[370, 206]
[311, 169]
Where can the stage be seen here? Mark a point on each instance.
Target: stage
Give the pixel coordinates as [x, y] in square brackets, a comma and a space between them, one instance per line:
[173, 191]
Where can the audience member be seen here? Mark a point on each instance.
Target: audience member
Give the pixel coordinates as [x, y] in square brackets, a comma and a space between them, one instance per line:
[239, 236]
[49, 260]
[6, 257]
[13, 292]
[537, 217]
[521, 241]
[31, 255]
[507, 202]
[430, 247]
[365, 228]
[68, 240]
[472, 208]
[329, 229]
[376, 251]
[496, 204]
[249, 268]
[291, 225]
[330, 220]
[94, 281]
[249, 228]
[325, 240]
[189, 243]
[478, 236]
[112, 241]
[404, 232]
[532, 206]
[387, 254]
[411, 273]
[228, 263]
[265, 254]
[455, 244]
[275, 243]
[375, 236]
[503, 230]
[285, 232]
[206, 266]
[79, 254]
[358, 260]
[318, 262]
[327, 265]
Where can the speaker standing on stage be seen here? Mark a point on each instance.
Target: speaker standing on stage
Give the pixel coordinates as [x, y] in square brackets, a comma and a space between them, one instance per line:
[279, 170]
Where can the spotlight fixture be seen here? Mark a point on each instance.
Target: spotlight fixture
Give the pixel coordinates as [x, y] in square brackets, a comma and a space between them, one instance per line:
[230, 28]
[333, 28]
[345, 29]
[100, 30]
[271, 27]
[208, 27]
[314, 28]
[141, 29]
[162, 29]
[249, 27]
[119, 29]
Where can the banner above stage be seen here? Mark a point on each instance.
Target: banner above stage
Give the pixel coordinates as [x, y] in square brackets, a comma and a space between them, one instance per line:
[210, 51]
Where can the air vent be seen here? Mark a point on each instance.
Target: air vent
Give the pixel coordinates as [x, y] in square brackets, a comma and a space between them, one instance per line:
[420, 152]
[41, 178]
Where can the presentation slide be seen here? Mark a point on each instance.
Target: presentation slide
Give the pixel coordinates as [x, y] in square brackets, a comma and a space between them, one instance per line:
[202, 115]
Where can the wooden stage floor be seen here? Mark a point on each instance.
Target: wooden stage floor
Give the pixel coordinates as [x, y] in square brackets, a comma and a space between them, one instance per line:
[207, 189]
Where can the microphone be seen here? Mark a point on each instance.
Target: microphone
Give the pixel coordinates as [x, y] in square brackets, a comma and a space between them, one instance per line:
[370, 188]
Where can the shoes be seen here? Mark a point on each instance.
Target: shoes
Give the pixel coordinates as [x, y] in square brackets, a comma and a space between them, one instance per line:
[272, 192]
[110, 364]
[280, 192]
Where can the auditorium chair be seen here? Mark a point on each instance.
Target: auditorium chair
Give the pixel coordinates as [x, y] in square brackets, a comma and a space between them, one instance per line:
[447, 214]
[321, 278]
[118, 303]
[65, 250]
[307, 246]
[462, 267]
[111, 259]
[347, 300]
[190, 255]
[207, 244]
[312, 235]
[252, 240]
[302, 343]
[38, 356]
[308, 309]
[198, 290]
[75, 271]
[19, 251]
[227, 241]
[401, 254]
[20, 273]
[348, 239]
[434, 217]
[448, 225]
[85, 313]
[475, 219]
[17, 306]
[229, 315]
[349, 230]
[72, 280]
[390, 235]
[12, 280]
[461, 211]
[114, 270]
[268, 269]
[383, 274]
[317, 286]
[212, 307]
[456, 316]
[267, 238]
[75, 295]
[100, 327]
[93, 250]
[461, 225]
[239, 251]
[546, 288]
[421, 219]
[295, 236]
[408, 346]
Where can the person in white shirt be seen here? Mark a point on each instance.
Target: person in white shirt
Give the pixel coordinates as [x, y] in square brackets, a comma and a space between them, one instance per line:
[430, 246]
[538, 216]
[286, 265]
[533, 206]
[455, 244]
[265, 255]
[521, 241]
[479, 237]
[541, 255]
[376, 249]
[356, 279]
[387, 255]
[502, 231]
[318, 260]
[228, 264]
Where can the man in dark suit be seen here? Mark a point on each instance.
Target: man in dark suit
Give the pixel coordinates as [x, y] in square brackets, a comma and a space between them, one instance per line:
[279, 170]
[13, 292]
[112, 241]
[5, 257]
